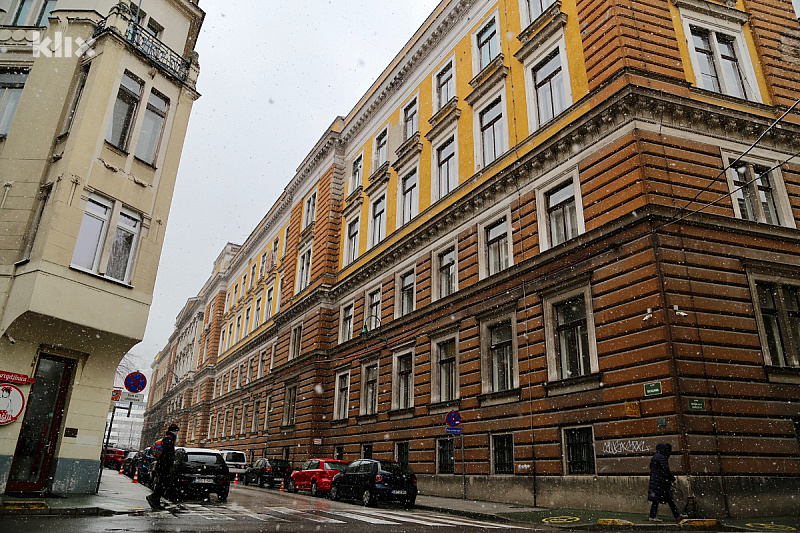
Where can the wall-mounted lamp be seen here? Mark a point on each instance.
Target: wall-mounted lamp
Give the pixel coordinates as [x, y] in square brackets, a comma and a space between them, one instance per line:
[678, 311]
[375, 330]
[649, 314]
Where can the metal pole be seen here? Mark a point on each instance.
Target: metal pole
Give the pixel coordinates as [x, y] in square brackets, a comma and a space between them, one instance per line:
[138, 10]
[463, 470]
[103, 455]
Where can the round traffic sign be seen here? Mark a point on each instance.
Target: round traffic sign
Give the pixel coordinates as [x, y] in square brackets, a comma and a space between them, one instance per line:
[135, 382]
[453, 419]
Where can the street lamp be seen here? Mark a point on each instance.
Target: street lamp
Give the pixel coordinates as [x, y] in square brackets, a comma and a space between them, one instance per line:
[376, 330]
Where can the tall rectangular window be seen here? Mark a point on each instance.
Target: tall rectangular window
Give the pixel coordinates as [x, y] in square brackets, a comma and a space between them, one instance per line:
[501, 357]
[373, 307]
[378, 220]
[488, 44]
[410, 120]
[304, 270]
[562, 218]
[252, 276]
[76, 99]
[342, 395]
[358, 169]
[549, 85]
[410, 197]
[351, 253]
[491, 120]
[381, 148]
[720, 68]
[256, 416]
[268, 309]
[128, 97]
[238, 328]
[537, 7]
[247, 313]
[447, 272]
[503, 448]
[275, 245]
[155, 115]
[370, 389]
[497, 247]
[444, 85]
[21, 16]
[754, 193]
[257, 310]
[446, 167]
[579, 454]
[44, 12]
[295, 342]
[445, 456]
[347, 323]
[448, 376]
[406, 293]
[310, 209]
[11, 84]
[405, 382]
[572, 338]
[290, 405]
[779, 308]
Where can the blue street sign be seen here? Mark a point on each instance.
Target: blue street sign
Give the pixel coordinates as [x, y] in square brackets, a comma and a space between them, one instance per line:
[135, 382]
[456, 431]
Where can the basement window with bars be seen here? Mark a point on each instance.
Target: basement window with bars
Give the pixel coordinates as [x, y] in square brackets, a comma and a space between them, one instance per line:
[579, 451]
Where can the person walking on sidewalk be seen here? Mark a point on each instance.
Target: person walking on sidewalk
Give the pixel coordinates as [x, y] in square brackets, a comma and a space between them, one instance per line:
[661, 482]
[162, 472]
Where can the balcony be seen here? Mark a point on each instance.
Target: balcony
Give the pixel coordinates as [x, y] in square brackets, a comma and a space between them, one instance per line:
[153, 49]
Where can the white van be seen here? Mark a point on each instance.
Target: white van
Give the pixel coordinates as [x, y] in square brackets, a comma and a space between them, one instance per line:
[236, 461]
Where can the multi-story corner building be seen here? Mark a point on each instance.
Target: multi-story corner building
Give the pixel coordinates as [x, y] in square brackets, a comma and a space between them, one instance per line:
[573, 223]
[94, 104]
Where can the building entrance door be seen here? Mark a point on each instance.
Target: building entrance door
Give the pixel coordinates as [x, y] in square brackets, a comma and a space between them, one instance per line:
[40, 427]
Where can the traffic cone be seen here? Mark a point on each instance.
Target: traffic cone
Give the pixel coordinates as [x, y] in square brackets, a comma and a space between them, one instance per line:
[120, 470]
[283, 488]
[135, 476]
[236, 479]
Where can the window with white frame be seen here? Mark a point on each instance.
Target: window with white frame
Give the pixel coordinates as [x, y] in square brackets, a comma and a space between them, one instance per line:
[373, 308]
[98, 218]
[446, 272]
[290, 405]
[501, 356]
[410, 119]
[497, 246]
[304, 270]
[12, 82]
[369, 388]
[351, 250]
[252, 276]
[244, 284]
[718, 50]
[381, 149]
[403, 381]
[446, 170]
[406, 290]
[268, 308]
[491, 131]
[155, 115]
[257, 317]
[409, 197]
[279, 295]
[230, 334]
[548, 83]
[221, 342]
[356, 177]
[275, 245]
[503, 454]
[295, 341]
[238, 328]
[535, 8]
[444, 372]
[310, 209]
[347, 323]
[247, 313]
[569, 334]
[778, 314]
[378, 222]
[579, 451]
[341, 402]
[759, 193]
[124, 114]
[562, 215]
[488, 43]
[33, 13]
[445, 85]
[74, 101]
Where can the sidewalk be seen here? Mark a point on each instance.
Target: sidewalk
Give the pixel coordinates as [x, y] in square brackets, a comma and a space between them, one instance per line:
[118, 495]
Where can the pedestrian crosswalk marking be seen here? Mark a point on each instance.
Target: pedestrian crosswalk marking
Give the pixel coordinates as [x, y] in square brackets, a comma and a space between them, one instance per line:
[304, 515]
[364, 518]
[435, 520]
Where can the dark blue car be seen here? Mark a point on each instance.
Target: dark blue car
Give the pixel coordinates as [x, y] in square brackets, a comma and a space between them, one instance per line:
[371, 481]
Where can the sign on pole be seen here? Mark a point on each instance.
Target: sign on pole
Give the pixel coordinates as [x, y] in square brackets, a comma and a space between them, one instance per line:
[135, 382]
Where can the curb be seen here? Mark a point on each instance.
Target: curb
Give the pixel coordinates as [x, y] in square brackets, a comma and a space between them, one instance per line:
[467, 514]
[60, 511]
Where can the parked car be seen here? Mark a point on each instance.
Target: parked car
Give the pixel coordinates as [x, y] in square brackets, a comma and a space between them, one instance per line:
[371, 481]
[112, 457]
[268, 472]
[236, 461]
[196, 473]
[315, 475]
[129, 463]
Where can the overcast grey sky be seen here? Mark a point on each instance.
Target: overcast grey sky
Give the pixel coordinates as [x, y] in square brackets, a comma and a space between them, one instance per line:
[273, 75]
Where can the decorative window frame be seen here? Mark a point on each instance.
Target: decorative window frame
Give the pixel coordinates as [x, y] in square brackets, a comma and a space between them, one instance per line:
[780, 194]
[304, 281]
[337, 415]
[542, 189]
[397, 353]
[398, 289]
[376, 162]
[719, 18]
[295, 341]
[483, 267]
[543, 50]
[374, 198]
[479, 27]
[401, 214]
[355, 187]
[507, 313]
[565, 451]
[451, 61]
[348, 221]
[478, 107]
[441, 139]
[436, 393]
[492, 453]
[362, 409]
[435, 271]
[353, 330]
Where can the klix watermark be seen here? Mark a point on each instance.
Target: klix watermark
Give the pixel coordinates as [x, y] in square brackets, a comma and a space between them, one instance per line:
[61, 46]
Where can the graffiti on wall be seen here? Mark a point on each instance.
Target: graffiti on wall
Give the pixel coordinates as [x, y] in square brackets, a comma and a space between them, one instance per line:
[616, 447]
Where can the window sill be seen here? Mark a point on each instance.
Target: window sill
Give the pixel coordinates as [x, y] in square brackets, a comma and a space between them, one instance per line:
[443, 119]
[151, 166]
[367, 419]
[407, 152]
[401, 414]
[487, 79]
[783, 374]
[99, 276]
[287, 427]
[498, 398]
[571, 385]
[116, 149]
[540, 30]
[444, 407]
[378, 178]
[307, 233]
[339, 423]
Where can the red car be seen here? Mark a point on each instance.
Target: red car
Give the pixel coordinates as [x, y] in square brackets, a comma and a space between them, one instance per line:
[112, 457]
[316, 475]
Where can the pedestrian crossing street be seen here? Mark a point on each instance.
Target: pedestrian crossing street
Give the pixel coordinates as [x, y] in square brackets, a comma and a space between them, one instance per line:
[388, 517]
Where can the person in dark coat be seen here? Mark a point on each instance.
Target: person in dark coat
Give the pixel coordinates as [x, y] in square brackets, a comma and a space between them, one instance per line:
[661, 481]
[162, 472]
